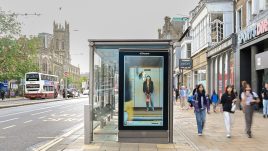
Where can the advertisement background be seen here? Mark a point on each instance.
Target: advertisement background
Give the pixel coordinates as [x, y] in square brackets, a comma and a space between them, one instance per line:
[137, 85]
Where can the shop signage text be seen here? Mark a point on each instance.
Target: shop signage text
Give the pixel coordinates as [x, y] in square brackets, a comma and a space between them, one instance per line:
[185, 64]
[253, 31]
[220, 47]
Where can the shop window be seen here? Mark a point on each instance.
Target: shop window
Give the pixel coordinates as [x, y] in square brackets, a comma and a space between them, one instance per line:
[216, 28]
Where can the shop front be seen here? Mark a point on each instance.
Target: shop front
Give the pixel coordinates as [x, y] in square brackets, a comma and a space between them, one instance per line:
[221, 65]
[253, 46]
[199, 71]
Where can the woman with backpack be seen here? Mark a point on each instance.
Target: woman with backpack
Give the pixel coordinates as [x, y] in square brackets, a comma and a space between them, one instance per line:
[249, 99]
[228, 100]
[201, 107]
[214, 100]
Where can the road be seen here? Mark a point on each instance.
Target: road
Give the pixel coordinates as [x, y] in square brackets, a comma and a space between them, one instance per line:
[28, 127]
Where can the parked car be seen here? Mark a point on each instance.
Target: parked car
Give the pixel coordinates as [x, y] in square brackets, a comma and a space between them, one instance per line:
[70, 93]
[85, 92]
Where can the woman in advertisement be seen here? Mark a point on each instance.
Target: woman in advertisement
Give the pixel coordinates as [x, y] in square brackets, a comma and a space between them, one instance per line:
[148, 89]
[201, 105]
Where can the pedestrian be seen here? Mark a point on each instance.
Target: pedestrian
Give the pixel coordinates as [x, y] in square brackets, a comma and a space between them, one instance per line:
[227, 100]
[2, 94]
[249, 99]
[214, 100]
[177, 94]
[194, 91]
[265, 100]
[201, 105]
[183, 97]
[243, 84]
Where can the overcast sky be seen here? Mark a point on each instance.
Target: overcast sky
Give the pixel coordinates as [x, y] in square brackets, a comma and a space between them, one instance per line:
[97, 19]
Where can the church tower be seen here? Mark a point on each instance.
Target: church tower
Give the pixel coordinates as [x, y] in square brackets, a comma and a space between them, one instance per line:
[61, 42]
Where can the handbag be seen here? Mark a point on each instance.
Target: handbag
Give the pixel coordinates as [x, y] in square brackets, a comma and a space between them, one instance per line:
[147, 98]
[233, 107]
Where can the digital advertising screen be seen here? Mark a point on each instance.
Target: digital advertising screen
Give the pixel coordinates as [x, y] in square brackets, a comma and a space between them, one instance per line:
[143, 90]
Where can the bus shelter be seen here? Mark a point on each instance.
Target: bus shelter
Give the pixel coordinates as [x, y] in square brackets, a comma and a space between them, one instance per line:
[131, 79]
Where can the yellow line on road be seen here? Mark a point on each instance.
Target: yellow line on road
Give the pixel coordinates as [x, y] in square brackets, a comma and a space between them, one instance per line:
[8, 127]
[58, 139]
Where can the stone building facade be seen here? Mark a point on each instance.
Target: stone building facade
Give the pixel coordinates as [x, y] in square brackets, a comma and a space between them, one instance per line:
[54, 54]
[171, 30]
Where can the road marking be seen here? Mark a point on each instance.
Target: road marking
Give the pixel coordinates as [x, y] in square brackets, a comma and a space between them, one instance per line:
[8, 127]
[45, 137]
[9, 120]
[28, 121]
[53, 119]
[61, 111]
[42, 117]
[2, 137]
[58, 139]
[32, 110]
[42, 112]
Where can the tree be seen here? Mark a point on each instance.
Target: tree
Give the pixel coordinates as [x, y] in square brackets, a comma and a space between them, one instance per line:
[9, 26]
[17, 55]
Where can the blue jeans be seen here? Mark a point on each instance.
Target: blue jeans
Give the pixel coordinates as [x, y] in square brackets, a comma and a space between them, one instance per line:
[200, 119]
[265, 107]
[152, 104]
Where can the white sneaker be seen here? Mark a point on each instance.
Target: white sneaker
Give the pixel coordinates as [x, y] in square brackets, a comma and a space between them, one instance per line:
[228, 136]
[199, 134]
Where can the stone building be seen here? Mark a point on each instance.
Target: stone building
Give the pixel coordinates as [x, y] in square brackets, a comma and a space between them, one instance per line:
[54, 55]
[171, 30]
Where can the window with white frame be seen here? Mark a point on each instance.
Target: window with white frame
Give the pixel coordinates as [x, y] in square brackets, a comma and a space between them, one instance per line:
[200, 34]
[188, 50]
[239, 20]
[249, 11]
[216, 28]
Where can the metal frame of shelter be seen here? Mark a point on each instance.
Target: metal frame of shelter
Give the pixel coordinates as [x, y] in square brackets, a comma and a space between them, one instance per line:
[108, 50]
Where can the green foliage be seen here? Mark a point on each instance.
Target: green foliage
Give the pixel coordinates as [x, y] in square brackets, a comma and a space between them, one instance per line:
[9, 26]
[17, 55]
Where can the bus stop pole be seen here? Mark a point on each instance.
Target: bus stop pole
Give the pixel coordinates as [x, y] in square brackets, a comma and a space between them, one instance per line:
[88, 108]
[171, 68]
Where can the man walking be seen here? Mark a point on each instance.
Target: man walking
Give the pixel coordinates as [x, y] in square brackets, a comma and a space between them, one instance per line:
[265, 100]
[183, 96]
[2, 93]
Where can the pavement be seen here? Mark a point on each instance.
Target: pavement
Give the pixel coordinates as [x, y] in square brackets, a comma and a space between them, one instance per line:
[185, 136]
[21, 101]
[36, 126]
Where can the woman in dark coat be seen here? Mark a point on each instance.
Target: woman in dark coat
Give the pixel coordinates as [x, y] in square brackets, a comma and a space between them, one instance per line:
[148, 89]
